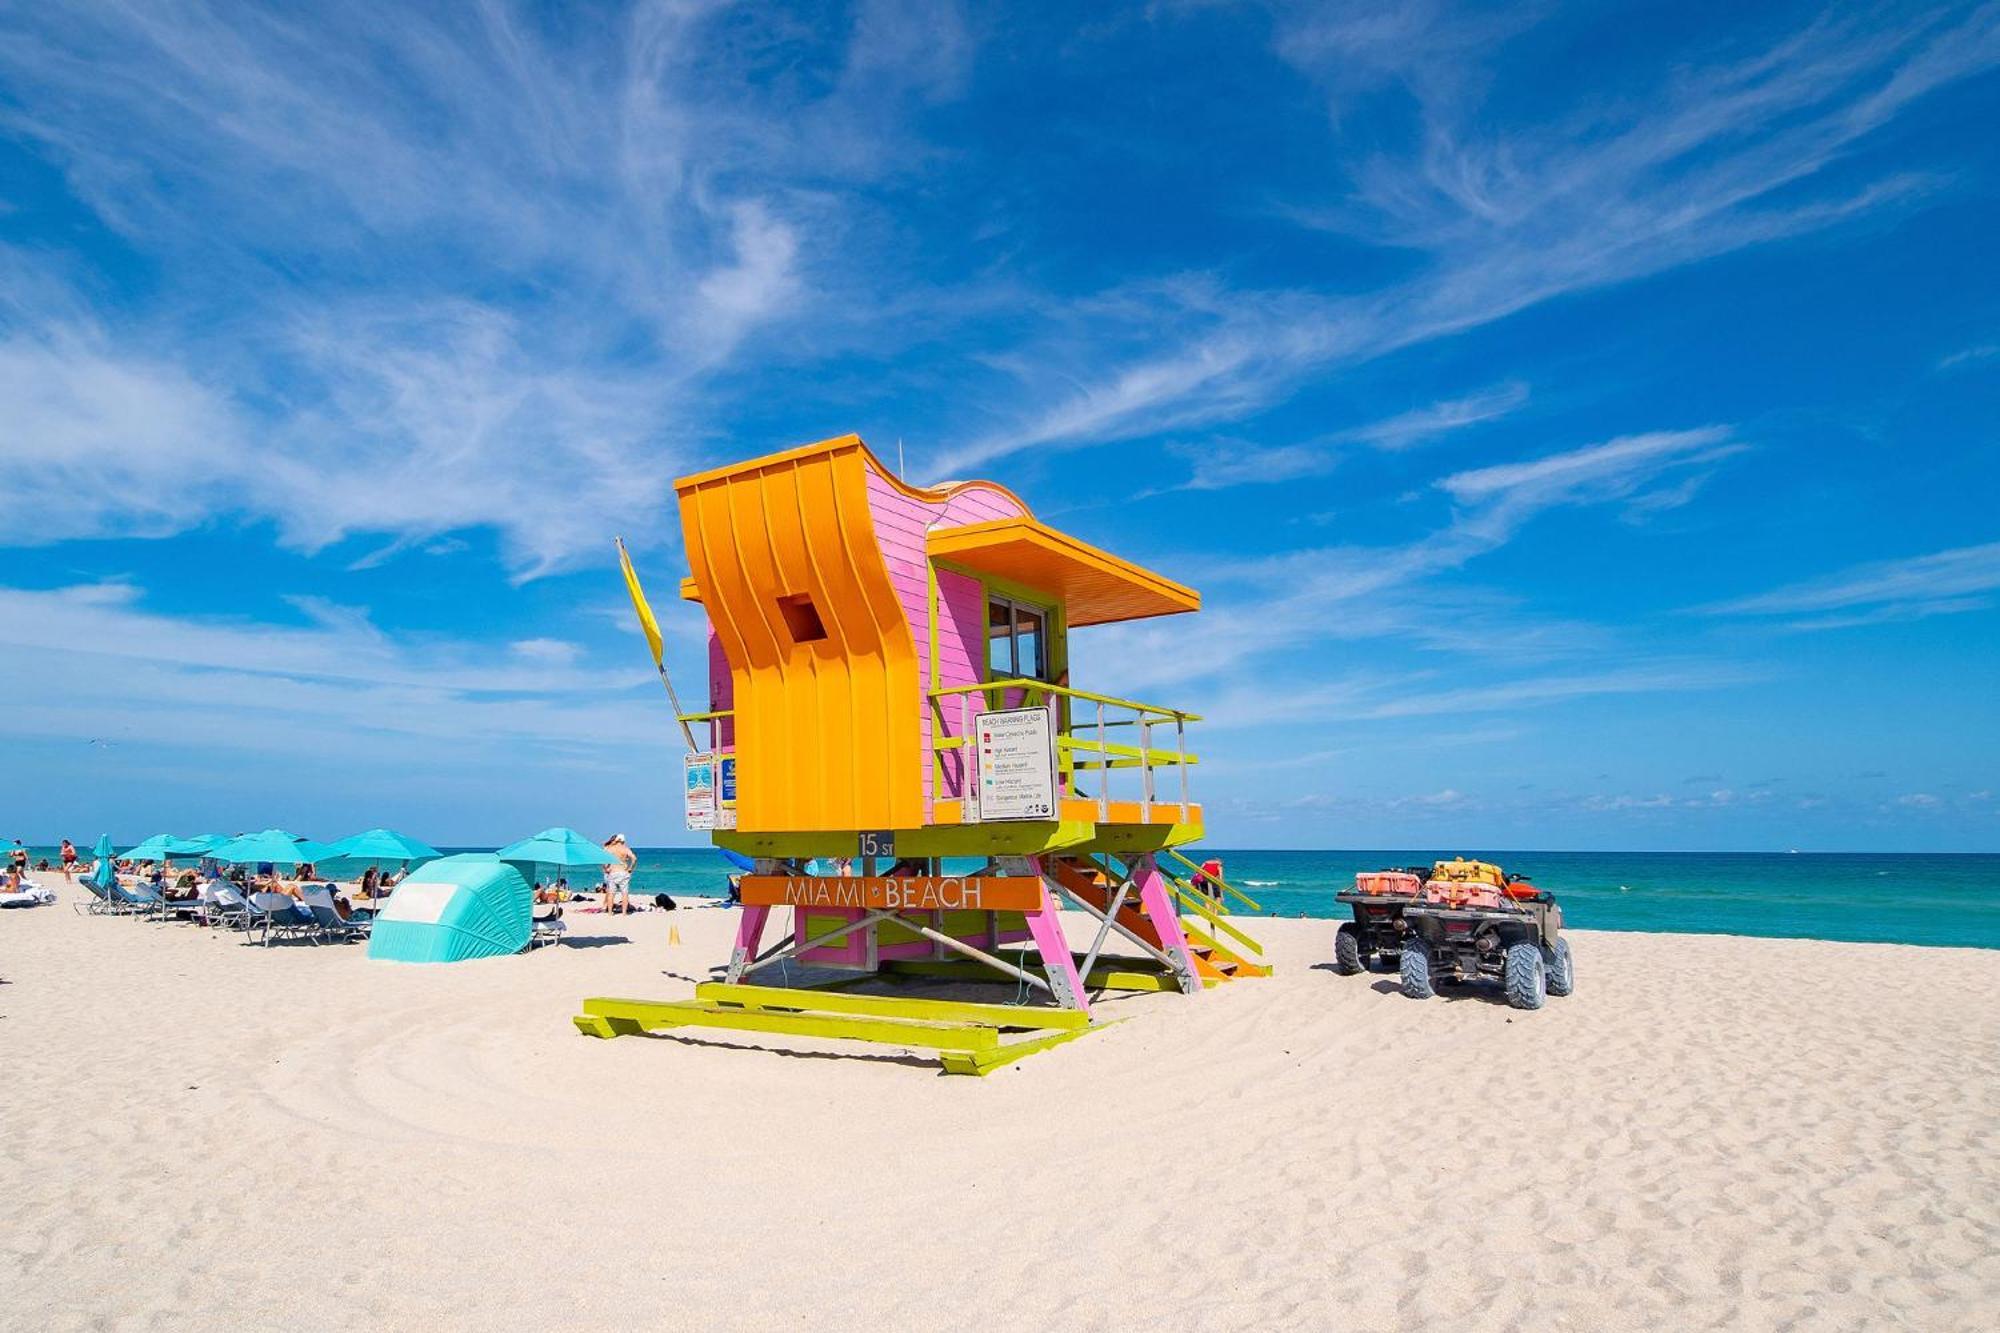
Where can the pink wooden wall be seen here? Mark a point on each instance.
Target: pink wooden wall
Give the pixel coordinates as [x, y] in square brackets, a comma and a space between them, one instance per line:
[901, 521]
[721, 693]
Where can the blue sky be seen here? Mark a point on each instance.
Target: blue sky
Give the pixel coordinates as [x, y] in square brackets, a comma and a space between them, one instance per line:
[1579, 419]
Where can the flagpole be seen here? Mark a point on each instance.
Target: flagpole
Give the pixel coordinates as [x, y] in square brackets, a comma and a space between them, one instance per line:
[653, 640]
[687, 732]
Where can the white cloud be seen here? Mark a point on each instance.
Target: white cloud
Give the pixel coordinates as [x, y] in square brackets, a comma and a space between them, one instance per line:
[1424, 424]
[1630, 183]
[1219, 464]
[1352, 592]
[88, 432]
[1970, 356]
[1622, 469]
[90, 662]
[1944, 583]
[457, 267]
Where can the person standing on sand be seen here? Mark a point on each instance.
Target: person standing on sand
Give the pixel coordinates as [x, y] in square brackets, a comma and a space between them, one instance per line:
[17, 859]
[69, 859]
[618, 878]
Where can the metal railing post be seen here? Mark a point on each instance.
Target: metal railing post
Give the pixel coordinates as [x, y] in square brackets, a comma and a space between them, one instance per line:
[1146, 767]
[1180, 749]
[968, 753]
[1103, 770]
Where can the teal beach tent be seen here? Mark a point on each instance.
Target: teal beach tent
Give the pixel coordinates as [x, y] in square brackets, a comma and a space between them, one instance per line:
[460, 907]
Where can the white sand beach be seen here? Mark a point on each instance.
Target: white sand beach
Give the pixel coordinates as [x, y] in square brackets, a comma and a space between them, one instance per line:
[1713, 1132]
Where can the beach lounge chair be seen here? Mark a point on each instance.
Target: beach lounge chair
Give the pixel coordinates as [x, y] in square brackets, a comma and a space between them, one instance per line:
[222, 905]
[282, 917]
[548, 925]
[138, 900]
[99, 902]
[327, 920]
[30, 895]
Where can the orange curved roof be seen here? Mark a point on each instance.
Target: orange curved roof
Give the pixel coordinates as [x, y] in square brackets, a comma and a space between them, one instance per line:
[1094, 586]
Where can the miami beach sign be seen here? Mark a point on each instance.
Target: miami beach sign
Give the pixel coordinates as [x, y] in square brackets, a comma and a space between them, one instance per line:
[915, 893]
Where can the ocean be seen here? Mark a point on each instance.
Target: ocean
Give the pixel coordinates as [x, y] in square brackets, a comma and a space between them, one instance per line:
[1886, 898]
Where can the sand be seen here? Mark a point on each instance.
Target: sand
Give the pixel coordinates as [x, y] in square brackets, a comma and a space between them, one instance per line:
[1713, 1132]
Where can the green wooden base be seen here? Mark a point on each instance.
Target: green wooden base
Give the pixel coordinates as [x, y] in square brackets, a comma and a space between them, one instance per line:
[981, 1063]
[967, 1035]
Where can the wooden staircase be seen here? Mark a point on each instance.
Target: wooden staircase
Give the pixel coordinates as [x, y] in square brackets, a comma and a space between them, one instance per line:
[1201, 919]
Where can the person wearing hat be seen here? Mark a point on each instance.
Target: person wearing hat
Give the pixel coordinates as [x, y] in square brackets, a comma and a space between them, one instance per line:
[618, 878]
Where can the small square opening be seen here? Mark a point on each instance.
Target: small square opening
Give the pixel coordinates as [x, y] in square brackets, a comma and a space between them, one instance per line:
[802, 620]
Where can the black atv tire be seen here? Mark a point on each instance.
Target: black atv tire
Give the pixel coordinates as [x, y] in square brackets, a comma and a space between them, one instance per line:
[1347, 949]
[1416, 970]
[1561, 969]
[1523, 976]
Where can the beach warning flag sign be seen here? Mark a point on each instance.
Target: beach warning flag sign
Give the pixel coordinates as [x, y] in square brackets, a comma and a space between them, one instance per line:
[653, 640]
[646, 621]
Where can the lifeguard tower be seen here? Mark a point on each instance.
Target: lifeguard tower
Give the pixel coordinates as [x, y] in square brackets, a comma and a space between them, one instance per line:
[889, 690]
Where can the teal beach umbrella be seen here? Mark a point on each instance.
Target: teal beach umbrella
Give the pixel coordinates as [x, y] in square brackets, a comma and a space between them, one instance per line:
[273, 845]
[162, 845]
[381, 844]
[562, 847]
[556, 847]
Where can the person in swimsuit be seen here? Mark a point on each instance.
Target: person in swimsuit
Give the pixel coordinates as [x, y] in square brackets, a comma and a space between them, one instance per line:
[68, 859]
[618, 878]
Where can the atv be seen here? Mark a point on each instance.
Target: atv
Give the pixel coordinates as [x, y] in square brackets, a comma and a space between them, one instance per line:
[1375, 935]
[1474, 921]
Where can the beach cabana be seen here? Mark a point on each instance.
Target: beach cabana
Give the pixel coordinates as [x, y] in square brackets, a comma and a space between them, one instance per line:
[453, 909]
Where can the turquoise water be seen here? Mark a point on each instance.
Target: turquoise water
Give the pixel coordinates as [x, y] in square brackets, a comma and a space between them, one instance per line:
[1897, 899]
[1900, 899]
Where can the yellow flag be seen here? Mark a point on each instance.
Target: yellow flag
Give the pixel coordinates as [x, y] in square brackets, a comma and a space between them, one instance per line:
[646, 621]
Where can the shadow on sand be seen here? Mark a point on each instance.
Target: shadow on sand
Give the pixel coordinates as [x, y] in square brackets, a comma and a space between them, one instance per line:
[865, 1057]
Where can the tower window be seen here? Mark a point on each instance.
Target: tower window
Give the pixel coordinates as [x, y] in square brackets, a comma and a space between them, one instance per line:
[802, 620]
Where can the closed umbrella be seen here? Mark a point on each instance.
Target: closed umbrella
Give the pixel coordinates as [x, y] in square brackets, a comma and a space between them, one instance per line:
[105, 873]
[555, 847]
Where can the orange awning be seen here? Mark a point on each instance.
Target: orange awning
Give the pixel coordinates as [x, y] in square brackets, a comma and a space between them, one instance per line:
[1095, 587]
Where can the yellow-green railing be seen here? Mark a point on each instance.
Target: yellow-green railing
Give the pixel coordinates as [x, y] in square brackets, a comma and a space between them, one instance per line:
[714, 720]
[1227, 888]
[1085, 748]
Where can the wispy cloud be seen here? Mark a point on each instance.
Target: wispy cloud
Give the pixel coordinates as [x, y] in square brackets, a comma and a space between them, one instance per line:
[1969, 356]
[1219, 464]
[1628, 469]
[1945, 583]
[1624, 185]
[1272, 604]
[90, 661]
[442, 266]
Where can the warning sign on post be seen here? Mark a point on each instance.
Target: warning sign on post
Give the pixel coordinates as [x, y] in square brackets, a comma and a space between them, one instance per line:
[1016, 750]
[698, 773]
